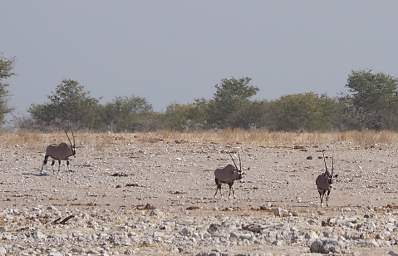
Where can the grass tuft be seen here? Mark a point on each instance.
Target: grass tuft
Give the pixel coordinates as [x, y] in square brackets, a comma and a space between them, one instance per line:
[228, 136]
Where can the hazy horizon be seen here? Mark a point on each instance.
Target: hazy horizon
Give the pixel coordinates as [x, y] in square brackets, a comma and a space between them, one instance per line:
[176, 51]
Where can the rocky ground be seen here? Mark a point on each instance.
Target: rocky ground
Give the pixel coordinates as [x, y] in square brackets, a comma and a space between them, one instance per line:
[126, 196]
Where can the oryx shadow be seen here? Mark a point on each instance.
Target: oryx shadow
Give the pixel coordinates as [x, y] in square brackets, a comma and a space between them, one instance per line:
[37, 174]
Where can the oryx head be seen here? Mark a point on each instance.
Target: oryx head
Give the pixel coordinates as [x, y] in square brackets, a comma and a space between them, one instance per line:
[330, 175]
[239, 171]
[72, 145]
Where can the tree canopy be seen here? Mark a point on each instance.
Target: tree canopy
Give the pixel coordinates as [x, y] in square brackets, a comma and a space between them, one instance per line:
[231, 96]
[304, 112]
[125, 113]
[69, 104]
[373, 100]
[6, 66]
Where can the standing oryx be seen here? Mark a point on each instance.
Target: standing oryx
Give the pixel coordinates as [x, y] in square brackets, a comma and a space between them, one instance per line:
[228, 175]
[324, 182]
[60, 152]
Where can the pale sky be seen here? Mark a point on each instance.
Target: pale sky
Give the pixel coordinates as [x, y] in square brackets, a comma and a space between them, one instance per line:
[175, 51]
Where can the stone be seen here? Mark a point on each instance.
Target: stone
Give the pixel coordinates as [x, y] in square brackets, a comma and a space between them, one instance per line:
[3, 251]
[279, 212]
[37, 234]
[311, 235]
[155, 213]
[185, 232]
[278, 243]
[246, 236]
[212, 253]
[233, 235]
[325, 246]
[255, 228]
[213, 228]
[311, 222]
[55, 253]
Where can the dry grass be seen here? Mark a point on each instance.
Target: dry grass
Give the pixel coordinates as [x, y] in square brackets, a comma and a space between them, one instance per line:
[265, 138]
[231, 136]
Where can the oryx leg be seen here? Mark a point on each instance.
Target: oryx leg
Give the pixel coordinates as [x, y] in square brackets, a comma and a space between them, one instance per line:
[67, 165]
[321, 193]
[218, 188]
[327, 197]
[231, 189]
[52, 165]
[44, 162]
[59, 165]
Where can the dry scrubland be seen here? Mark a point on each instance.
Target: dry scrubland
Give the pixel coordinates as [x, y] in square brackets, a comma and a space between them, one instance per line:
[152, 194]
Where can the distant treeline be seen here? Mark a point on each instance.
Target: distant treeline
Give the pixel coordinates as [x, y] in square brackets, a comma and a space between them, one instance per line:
[370, 102]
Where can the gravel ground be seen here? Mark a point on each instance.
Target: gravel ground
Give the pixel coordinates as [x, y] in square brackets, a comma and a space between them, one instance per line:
[126, 197]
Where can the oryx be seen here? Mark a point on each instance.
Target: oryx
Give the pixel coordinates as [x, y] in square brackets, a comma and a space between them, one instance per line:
[228, 175]
[324, 182]
[60, 152]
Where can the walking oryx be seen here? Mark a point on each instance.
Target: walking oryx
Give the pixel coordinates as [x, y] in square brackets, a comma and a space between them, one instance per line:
[228, 175]
[60, 152]
[324, 182]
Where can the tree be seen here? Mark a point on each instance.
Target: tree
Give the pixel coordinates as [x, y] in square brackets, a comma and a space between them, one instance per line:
[305, 111]
[230, 97]
[69, 104]
[187, 116]
[249, 115]
[126, 113]
[178, 116]
[372, 100]
[6, 66]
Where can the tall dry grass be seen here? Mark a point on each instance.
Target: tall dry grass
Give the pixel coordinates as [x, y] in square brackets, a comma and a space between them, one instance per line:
[266, 138]
[255, 137]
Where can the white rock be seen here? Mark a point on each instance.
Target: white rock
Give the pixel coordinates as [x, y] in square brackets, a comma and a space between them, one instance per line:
[246, 236]
[325, 246]
[279, 212]
[278, 243]
[185, 232]
[55, 253]
[3, 251]
[311, 235]
[37, 234]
